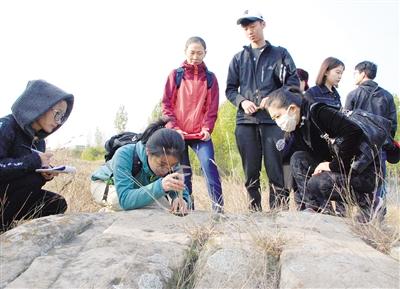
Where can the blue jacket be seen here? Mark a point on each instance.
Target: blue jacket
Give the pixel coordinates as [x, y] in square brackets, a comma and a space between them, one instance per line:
[137, 192]
[17, 135]
[320, 93]
[372, 98]
[250, 80]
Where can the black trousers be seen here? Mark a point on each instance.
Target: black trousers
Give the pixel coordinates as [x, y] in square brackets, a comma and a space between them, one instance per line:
[316, 191]
[255, 142]
[25, 199]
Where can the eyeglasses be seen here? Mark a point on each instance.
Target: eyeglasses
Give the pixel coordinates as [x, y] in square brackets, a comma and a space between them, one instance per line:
[59, 116]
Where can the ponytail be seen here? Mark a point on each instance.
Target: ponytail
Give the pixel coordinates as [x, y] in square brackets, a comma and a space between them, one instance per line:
[152, 128]
[161, 141]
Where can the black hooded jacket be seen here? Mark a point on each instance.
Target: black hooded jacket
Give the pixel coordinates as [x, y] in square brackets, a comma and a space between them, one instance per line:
[308, 136]
[250, 80]
[17, 135]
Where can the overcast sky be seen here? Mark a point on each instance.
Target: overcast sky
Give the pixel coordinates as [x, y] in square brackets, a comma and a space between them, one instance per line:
[111, 53]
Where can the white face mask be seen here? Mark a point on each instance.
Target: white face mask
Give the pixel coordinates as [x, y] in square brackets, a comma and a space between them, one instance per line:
[287, 122]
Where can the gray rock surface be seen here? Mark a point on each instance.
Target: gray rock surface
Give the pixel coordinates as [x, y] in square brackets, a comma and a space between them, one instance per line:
[324, 253]
[151, 248]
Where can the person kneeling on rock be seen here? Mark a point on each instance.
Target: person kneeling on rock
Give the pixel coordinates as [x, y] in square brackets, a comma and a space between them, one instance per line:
[38, 112]
[144, 172]
[331, 163]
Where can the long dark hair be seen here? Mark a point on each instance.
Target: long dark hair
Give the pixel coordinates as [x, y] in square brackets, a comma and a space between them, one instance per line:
[327, 65]
[161, 141]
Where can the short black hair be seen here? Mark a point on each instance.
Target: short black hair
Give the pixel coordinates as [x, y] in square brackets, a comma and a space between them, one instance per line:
[368, 67]
[285, 96]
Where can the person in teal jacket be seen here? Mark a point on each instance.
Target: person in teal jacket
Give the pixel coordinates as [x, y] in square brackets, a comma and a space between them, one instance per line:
[158, 154]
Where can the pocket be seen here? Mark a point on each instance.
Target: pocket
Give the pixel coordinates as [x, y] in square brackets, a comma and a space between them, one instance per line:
[267, 73]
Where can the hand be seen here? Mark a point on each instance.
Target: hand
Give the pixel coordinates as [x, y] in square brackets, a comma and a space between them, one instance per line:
[179, 207]
[173, 182]
[322, 167]
[182, 133]
[45, 158]
[262, 104]
[248, 106]
[49, 176]
[206, 135]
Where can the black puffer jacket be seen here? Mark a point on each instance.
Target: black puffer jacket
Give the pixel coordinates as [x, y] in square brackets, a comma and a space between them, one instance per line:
[372, 98]
[254, 81]
[17, 135]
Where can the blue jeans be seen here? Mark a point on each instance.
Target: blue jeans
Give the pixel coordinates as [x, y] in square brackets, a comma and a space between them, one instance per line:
[205, 152]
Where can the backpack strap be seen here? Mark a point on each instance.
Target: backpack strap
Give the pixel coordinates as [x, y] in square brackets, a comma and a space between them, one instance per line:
[179, 76]
[210, 78]
[323, 134]
[368, 98]
[136, 167]
[137, 164]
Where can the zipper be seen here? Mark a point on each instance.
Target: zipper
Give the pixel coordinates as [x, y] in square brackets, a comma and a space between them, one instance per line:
[196, 72]
[254, 66]
[262, 75]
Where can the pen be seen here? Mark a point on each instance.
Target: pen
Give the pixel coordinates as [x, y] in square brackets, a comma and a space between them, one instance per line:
[33, 150]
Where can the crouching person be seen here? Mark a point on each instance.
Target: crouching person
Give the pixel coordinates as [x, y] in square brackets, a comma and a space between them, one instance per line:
[325, 168]
[38, 112]
[144, 172]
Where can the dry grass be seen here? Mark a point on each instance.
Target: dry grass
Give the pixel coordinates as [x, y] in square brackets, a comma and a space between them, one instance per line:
[76, 190]
[185, 276]
[385, 235]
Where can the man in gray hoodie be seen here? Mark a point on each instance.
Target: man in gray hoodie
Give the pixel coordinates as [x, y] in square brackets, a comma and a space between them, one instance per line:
[38, 112]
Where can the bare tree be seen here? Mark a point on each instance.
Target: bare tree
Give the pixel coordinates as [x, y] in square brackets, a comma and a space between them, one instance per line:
[98, 137]
[121, 119]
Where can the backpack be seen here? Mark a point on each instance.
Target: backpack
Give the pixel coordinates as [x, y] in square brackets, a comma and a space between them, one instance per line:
[119, 140]
[179, 76]
[114, 143]
[375, 133]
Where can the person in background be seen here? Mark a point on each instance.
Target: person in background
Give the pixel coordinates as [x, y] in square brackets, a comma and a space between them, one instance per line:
[369, 96]
[253, 73]
[38, 112]
[328, 79]
[158, 154]
[321, 173]
[192, 106]
[303, 76]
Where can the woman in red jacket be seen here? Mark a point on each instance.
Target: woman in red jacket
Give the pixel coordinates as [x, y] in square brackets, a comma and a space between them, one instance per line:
[191, 99]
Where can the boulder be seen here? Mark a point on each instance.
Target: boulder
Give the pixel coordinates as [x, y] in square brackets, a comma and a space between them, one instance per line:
[151, 248]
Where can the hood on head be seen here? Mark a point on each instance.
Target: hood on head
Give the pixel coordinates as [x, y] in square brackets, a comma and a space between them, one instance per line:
[39, 96]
